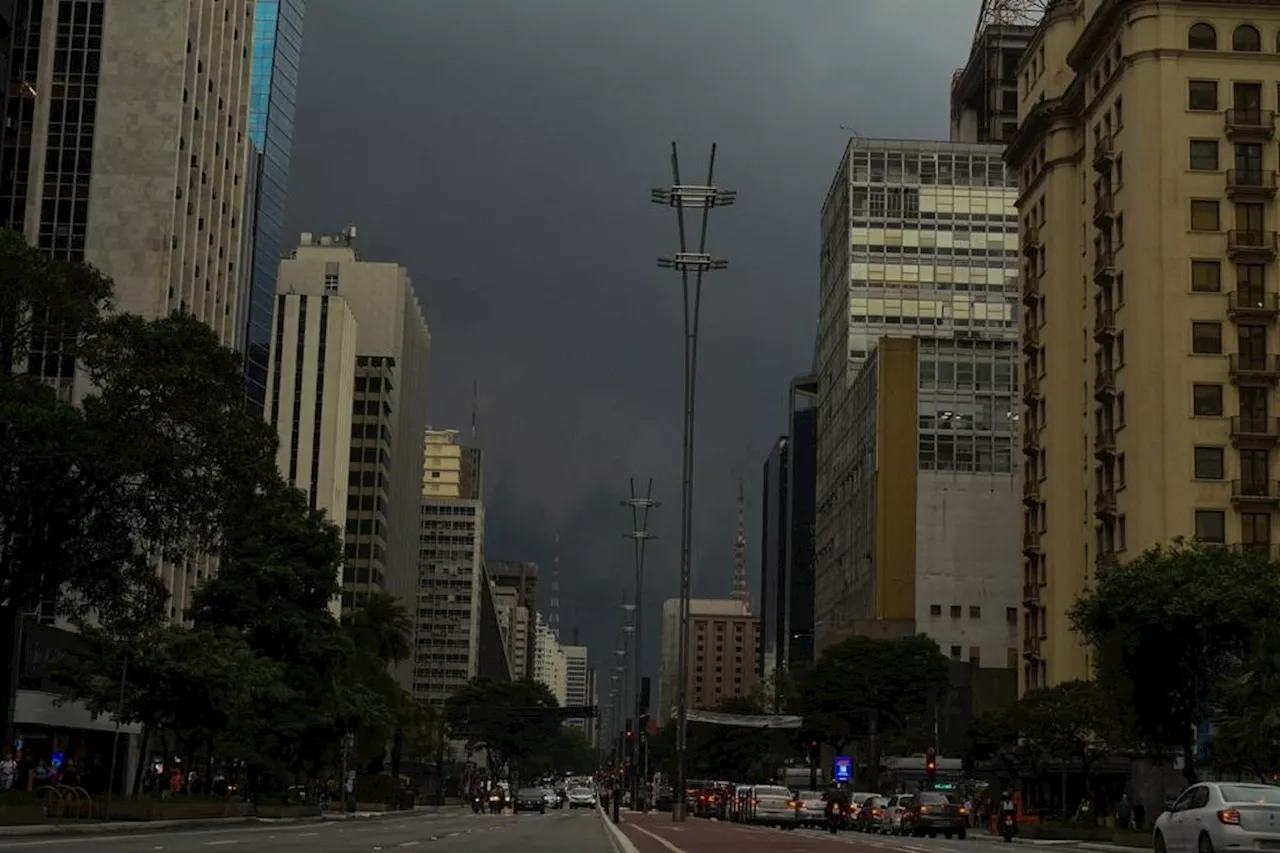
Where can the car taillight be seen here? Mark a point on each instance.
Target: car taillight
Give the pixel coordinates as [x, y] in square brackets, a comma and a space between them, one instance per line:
[1231, 816]
[963, 810]
[792, 804]
[877, 812]
[754, 801]
[924, 810]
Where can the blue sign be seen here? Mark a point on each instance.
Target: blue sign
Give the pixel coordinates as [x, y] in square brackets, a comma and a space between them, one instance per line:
[843, 771]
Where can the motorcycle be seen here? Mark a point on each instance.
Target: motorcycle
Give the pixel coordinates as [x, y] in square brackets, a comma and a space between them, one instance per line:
[833, 818]
[1007, 827]
[477, 804]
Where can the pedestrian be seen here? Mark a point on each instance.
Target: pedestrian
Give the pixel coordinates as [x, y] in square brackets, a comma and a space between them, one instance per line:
[1124, 812]
[8, 771]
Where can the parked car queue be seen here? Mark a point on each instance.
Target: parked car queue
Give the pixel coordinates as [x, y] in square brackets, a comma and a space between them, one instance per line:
[922, 813]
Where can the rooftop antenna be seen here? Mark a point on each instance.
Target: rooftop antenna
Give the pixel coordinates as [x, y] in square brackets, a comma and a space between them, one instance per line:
[740, 551]
[553, 613]
[475, 396]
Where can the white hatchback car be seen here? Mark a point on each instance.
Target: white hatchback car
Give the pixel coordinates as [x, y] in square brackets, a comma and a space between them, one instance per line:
[1220, 816]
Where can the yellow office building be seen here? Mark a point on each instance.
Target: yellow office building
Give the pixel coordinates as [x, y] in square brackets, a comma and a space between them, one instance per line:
[1146, 157]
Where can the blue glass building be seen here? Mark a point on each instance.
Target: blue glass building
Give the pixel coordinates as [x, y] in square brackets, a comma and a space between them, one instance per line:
[273, 88]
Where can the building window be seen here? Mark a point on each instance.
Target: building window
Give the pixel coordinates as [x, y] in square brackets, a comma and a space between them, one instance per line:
[1211, 525]
[1206, 276]
[1206, 338]
[1206, 400]
[1204, 215]
[330, 283]
[955, 653]
[1011, 615]
[935, 609]
[1202, 95]
[975, 656]
[1208, 463]
[955, 611]
[1204, 155]
[975, 612]
[1202, 37]
[1246, 39]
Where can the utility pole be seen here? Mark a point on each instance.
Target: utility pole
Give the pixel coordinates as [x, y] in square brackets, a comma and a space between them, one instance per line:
[639, 535]
[691, 265]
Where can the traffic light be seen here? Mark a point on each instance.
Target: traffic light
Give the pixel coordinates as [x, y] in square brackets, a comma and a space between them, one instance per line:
[931, 767]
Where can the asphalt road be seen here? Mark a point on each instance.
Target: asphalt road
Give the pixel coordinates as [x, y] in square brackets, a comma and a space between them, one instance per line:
[554, 832]
[976, 842]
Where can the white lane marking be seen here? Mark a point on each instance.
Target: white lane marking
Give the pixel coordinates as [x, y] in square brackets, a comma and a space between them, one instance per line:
[221, 843]
[305, 835]
[658, 838]
[408, 843]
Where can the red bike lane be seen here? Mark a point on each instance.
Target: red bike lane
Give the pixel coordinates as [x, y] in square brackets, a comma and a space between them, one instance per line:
[655, 833]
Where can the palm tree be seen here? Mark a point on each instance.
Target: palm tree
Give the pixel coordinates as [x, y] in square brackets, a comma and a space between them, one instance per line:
[382, 628]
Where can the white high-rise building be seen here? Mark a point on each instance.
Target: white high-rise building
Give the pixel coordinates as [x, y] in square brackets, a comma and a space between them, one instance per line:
[388, 407]
[549, 663]
[513, 618]
[575, 681]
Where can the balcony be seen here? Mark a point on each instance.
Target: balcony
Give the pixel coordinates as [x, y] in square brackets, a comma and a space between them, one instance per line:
[1251, 184]
[1030, 339]
[1104, 444]
[1255, 492]
[1104, 325]
[1031, 492]
[1031, 390]
[1265, 550]
[1030, 543]
[1104, 383]
[1031, 647]
[1030, 440]
[1251, 123]
[1247, 245]
[1104, 267]
[1255, 429]
[1031, 594]
[1255, 303]
[1249, 369]
[1031, 242]
[1104, 153]
[1104, 503]
[1104, 209]
[1030, 289]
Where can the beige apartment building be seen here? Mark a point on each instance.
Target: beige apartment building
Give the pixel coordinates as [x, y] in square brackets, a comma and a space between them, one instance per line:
[1146, 156]
[723, 642]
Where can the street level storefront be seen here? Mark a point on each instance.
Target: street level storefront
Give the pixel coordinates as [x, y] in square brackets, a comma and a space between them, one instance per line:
[53, 731]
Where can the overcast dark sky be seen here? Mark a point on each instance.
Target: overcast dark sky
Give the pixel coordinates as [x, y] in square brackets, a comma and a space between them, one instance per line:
[504, 151]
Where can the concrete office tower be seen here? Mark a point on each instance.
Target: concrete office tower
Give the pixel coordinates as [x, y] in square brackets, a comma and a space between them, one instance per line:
[549, 663]
[523, 578]
[128, 148]
[314, 351]
[918, 239]
[575, 682]
[929, 503]
[388, 411]
[1146, 158]
[723, 641]
[447, 619]
[492, 660]
[276, 52]
[514, 619]
[984, 94]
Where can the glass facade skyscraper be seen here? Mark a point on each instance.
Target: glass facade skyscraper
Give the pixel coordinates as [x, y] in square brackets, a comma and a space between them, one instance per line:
[277, 51]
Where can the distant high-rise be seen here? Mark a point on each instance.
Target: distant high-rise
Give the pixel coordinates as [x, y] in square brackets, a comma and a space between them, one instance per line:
[523, 578]
[575, 682]
[550, 665]
[723, 638]
[273, 92]
[388, 407]
[451, 585]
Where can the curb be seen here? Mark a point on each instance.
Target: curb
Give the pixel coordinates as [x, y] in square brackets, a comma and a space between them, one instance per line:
[619, 838]
[1113, 848]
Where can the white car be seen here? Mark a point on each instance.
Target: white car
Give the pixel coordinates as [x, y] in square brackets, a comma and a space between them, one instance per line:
[1220, 816]
[582, 798]
[891, 821]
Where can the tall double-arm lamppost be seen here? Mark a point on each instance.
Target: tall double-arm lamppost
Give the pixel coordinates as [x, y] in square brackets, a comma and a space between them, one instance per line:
[692, 264]
[639, 535]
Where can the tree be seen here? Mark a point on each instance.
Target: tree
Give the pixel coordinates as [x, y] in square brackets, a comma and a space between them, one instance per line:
[1075, 721]
[993, 736]
[877, 690]
[1246, 738]
[512, 721]
[1166, 626]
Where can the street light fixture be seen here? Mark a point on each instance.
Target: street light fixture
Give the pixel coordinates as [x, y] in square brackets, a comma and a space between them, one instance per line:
[692, 264]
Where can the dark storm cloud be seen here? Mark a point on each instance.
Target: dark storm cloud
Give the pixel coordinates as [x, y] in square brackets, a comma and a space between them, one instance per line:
[504, 149]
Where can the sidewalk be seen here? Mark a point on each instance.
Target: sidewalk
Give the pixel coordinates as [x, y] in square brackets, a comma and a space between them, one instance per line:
[91, 827]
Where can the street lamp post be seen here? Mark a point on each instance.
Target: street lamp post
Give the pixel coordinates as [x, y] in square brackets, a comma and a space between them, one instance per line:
[691, 265]
[639, 535]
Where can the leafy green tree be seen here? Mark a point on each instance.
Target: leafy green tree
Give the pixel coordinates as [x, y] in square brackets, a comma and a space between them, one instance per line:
[870, 690]
[1166, 626]
[1246, 738]
[994, 737]
[1075, 722]
[512, 721]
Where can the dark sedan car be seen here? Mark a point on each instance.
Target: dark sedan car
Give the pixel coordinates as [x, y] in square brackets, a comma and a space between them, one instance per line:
[531, 800]
[931, 812]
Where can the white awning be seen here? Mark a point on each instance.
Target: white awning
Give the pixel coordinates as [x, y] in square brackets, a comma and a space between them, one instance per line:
[750, 721]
